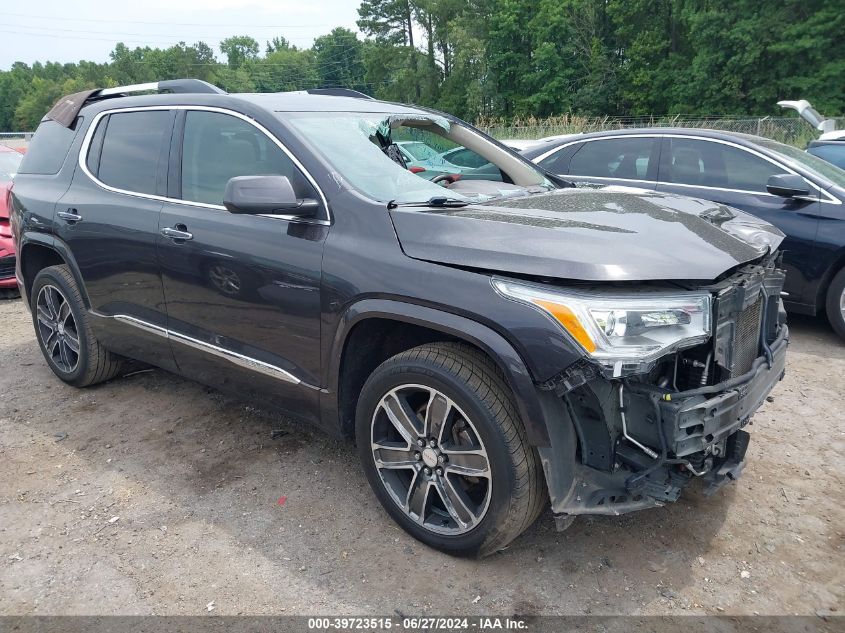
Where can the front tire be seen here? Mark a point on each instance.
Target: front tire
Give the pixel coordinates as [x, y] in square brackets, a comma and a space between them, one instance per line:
[64, 333]
[836, 303]
[444, 450]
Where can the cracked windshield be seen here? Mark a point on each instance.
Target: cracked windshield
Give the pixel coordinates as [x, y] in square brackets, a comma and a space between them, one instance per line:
[414, 158]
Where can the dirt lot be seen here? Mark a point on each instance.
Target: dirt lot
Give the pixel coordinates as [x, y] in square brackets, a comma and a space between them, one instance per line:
[152, 494]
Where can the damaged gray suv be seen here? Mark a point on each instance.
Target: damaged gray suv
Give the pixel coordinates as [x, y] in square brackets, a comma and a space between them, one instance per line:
[493, 340]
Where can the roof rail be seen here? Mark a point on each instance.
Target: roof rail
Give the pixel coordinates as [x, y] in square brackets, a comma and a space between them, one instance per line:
[176, 86]
[66, 109]
[338, 92]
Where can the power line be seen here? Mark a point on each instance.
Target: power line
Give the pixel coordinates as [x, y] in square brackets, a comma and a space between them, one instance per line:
[152, 38]
[93, 32]
[112, 21]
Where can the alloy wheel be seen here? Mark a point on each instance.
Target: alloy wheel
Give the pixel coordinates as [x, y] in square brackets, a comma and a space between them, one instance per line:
[431, 460]
[842, 304]
[57, 328]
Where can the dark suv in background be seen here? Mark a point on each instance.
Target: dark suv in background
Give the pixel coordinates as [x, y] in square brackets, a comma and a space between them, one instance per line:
[801, 194]
[491, 343]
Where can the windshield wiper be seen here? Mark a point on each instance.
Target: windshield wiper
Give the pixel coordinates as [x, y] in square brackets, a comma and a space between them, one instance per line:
[436, 201]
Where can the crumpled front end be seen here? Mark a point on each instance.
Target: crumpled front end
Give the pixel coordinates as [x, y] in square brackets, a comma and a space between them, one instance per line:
[642, 437]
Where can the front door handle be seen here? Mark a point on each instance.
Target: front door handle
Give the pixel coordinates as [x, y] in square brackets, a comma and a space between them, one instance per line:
[69, 216]
[178, 233]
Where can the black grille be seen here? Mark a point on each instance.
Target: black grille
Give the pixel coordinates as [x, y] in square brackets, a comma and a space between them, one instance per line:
[7, 267]
[746, 344]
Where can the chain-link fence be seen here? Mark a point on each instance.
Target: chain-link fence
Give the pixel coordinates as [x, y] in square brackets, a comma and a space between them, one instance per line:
[791, 130]
[15, 140]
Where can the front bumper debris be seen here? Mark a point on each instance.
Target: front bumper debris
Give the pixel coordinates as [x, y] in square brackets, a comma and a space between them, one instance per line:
[702, 437]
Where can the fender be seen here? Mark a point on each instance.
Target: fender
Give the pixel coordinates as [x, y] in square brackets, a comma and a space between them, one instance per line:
[61, 248]
[499, 349]
[837, 261]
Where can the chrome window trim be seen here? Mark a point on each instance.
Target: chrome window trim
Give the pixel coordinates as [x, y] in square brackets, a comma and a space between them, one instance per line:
[89, 134]
[221, 352]
[829, 199]
[648, 182]
[545, 155]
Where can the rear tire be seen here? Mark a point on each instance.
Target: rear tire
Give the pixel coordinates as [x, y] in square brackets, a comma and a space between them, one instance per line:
[63, 330]
[836, 303]
[484, 485]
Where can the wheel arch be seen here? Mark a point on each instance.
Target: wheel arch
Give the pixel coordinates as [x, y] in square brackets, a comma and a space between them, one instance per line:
[837, 264]
[39, 251]
[376, 329]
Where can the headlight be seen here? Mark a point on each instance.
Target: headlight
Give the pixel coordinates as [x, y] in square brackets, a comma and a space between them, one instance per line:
[621, 327]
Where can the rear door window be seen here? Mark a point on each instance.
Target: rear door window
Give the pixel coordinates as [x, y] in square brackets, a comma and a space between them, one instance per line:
[705, 163]
[617, 158]
[217, 147]
[49, 147]
[135, 148]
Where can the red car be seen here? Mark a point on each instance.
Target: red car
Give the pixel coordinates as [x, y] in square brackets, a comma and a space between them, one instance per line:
[9, 161]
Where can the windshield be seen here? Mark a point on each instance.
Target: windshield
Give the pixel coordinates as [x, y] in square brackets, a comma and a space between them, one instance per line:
[9, 163]
[371, 152]
[808, 162]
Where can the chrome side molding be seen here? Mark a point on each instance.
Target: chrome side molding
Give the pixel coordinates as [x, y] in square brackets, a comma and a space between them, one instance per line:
[221, 352]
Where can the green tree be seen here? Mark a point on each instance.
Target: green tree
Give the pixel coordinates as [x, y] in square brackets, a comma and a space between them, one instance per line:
[339, 60]
[14, 85]
[278, 44]
[509, 59]
[284, 69]
[391, 22]
[509, 49]
[239, 49]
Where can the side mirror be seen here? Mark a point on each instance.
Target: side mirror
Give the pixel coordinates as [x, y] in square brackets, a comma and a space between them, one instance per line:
[265, 194]
[788, 186]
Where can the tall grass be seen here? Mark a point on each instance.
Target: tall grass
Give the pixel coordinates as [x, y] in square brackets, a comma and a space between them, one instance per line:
[791, 130]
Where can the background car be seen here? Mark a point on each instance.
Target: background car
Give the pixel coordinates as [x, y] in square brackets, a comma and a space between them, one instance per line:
[428, 162]
[518, 144]
[830, 147]
[416, 153]
[801, 194]
[9, 161]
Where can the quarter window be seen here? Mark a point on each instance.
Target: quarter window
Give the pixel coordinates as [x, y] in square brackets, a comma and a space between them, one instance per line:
[95, 147]
[622, 158]
[711, 164]
[134, 145]
[218, 147]
[558, 162]
[49, 148]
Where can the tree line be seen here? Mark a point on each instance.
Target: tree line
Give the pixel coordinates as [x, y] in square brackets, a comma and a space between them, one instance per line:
[508, 59]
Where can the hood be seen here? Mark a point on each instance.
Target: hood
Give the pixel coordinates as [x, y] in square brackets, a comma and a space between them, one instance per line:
[609, 234]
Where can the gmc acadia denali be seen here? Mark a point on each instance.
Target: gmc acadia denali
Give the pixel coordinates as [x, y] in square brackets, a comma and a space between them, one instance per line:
[493, 340]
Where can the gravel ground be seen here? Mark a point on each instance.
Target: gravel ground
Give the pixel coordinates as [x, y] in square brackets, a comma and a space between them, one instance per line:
[152, 494]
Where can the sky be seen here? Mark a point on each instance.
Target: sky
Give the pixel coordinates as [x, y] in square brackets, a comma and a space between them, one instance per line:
[62, 31]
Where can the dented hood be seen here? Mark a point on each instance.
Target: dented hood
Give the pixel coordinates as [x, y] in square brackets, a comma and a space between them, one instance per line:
[592, 235]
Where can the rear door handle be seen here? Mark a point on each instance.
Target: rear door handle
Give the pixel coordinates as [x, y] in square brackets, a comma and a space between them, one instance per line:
[69, 216]
[177, 233]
